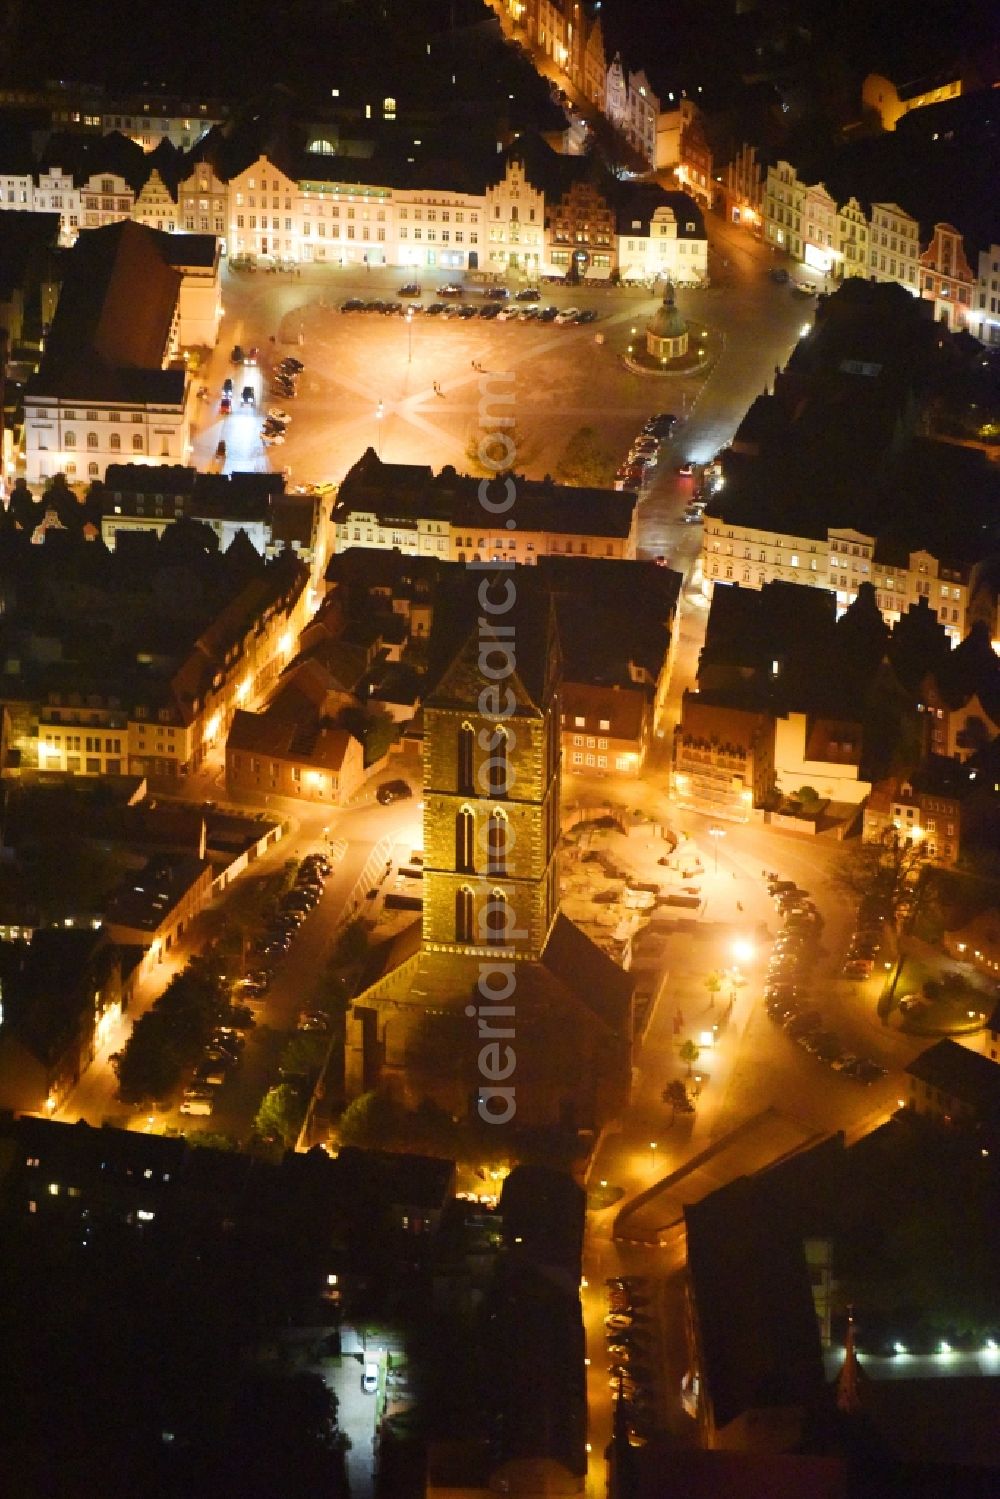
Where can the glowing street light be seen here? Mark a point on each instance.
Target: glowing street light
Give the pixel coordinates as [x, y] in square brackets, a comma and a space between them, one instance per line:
[379, 414]
[743, 951]
[715, 834]
[409, 337]
[652, 1153]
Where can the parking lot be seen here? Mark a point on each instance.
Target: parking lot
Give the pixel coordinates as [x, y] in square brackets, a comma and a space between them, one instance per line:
[417, 388]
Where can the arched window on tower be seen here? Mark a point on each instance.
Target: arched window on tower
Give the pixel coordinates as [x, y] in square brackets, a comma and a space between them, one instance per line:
[499, 767]
[496, 916]
[497, 833]
[465, 838]
[463, 914]
[466, 762]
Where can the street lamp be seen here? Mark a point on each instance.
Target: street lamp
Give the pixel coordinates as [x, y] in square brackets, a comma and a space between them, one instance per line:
[652, 1148]
[379, 414]
[715, 834]
[409, 335]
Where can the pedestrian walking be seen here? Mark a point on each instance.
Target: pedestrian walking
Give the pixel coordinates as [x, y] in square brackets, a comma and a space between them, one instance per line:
[739, 905]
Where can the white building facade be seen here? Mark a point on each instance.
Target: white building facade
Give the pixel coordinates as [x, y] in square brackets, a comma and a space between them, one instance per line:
[61, 435]
[984, 316]
[660, 246]
[514, 223]
[894, 246]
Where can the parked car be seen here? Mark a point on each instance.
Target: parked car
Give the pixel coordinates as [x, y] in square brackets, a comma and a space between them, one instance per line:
[369, 1379]
[220, 448]
[227, 386]
[212, 1073]
[528, 294]
[253, 354]
[467, 312]
[451, 289]
[497, 293]
[352, 304]
[807, 288]
[588, 315]
[197, 1105]
[226, 405]
[248, 397]
[568, 315]
[548, 314]
[660, 424]
[392, 791]
[779, 274]
[236, 357]
[858, 968]
[410, 289]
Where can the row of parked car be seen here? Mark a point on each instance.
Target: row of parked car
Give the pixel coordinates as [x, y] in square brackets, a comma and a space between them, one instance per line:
[283, 386]
[503, 312]
[866, 940]
[785, 994]
[644, 453]
[220, 1056]
[629, 1359]
[293, 908]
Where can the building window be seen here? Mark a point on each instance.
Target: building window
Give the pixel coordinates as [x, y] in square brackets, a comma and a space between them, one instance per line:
[137, 442]
[463, 914]
[496, 843]
[495, 918]
[499, 770]
[466, 763]
[70, 440]
[465, 840]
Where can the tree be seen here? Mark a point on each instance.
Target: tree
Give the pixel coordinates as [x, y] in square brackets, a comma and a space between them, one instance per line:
[351, 944]
[713, 983]
[373, 1120]
[497, 450]
[807, 795]
[586, 461]
[305, 1053]
[689, 1054]
[283, 1438]
[281, 1115]
[888, 865]
[150, 1065]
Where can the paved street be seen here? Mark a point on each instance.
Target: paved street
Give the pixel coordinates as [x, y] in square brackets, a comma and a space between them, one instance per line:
[565, 376]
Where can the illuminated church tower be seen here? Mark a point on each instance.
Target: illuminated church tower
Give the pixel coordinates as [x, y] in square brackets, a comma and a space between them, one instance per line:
[491, 781]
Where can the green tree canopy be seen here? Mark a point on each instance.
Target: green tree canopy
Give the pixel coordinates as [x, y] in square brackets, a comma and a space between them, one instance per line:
[586, 461]
[281, 1115]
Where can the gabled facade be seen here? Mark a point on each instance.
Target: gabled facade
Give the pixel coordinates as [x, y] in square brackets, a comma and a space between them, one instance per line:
[946, 278]
[155, 206]
[784, 206]
[819, 229]
[667, 241]
[743, 188]
[851, 241]
[514, 223]
[203, 203]
[580, 233]
[681, 143]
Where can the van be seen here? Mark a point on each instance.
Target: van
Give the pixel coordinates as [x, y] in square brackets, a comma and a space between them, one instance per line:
[369, 1379]
[197, 1106]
